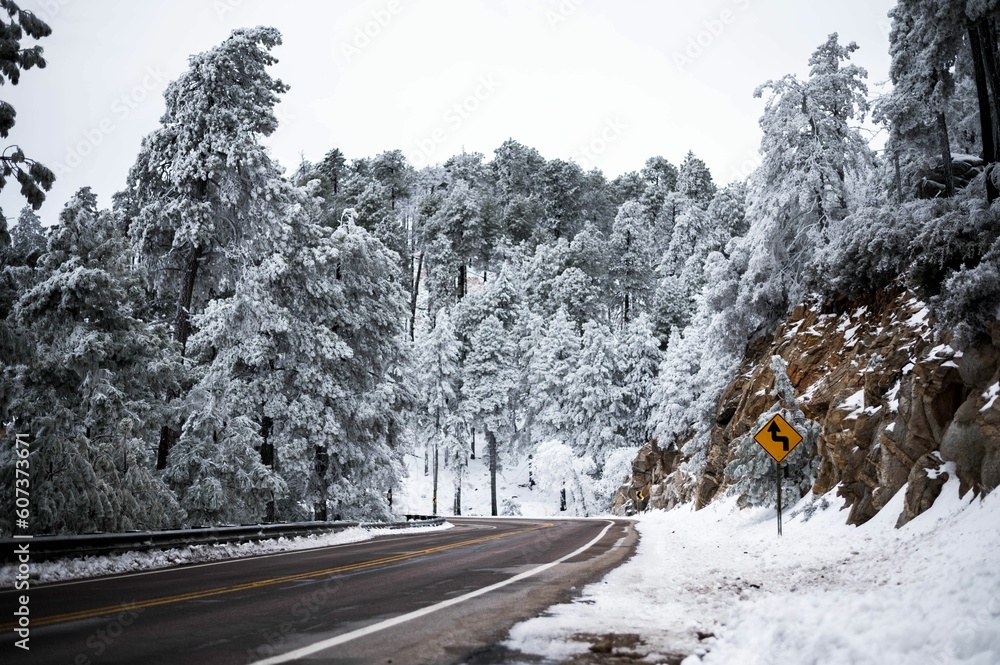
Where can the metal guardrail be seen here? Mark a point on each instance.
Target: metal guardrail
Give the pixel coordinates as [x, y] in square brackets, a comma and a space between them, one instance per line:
[53, 547]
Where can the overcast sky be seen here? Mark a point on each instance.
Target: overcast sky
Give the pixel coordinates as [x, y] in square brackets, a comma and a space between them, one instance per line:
[608, 83]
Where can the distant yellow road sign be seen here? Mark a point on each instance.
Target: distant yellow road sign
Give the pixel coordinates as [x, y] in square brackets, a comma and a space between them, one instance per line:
[778, 438]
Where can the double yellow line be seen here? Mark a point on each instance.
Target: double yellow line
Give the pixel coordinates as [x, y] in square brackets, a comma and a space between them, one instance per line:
[207, 593]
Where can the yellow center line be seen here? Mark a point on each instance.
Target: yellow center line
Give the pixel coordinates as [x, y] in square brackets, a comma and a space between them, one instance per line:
[207, 593]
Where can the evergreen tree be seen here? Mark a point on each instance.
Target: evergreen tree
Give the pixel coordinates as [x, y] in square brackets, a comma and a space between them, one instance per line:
[631, 264]
[694, 181]
[90, 384]
[491, 380]
[201, 186]
[439, 418]
[304, 388]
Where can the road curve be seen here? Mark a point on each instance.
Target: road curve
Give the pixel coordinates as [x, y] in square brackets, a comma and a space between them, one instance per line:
[430, 597]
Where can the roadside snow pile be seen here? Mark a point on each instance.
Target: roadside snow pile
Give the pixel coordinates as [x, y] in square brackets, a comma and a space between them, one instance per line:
[128, 562]
[718, 586]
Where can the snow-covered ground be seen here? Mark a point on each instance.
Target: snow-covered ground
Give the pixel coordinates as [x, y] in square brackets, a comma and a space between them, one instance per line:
[719, 586]
[514, 492]
[127, 562]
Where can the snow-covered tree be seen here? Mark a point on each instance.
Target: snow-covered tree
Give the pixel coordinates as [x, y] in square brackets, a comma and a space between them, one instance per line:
[438, 409]
[90, 385]
[201, 187]
[631, 264]
[305, 372]
[491, 381]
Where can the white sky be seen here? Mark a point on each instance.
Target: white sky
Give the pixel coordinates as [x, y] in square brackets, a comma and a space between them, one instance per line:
[609, 83]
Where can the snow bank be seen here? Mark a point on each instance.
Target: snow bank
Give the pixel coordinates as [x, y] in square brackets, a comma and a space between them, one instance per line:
[128, 562]
[719, 586]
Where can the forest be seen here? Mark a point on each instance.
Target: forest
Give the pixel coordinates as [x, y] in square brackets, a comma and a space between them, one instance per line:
[228, 341]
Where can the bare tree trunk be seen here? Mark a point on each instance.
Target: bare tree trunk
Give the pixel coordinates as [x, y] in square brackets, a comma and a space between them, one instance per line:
[491, 444]
[413, 296]
[434, 491]
[459, 471]
[320, 464]
[267, 459]
[949, 175]
[986, 125]
[182, 329]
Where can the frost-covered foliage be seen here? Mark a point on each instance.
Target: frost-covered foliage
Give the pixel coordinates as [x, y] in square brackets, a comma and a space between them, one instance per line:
[200, 188]
[87, 390]
[751, 473]
[699, 362]
[557, 465]
[304, 373]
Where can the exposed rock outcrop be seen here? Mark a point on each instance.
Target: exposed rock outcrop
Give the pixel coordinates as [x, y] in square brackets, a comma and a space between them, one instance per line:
[893, 400]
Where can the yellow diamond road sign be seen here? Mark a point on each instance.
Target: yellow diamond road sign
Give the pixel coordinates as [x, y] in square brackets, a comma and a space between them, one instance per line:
[778, 438]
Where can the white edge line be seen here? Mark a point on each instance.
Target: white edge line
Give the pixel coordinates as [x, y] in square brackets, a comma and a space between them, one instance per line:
[416, 614]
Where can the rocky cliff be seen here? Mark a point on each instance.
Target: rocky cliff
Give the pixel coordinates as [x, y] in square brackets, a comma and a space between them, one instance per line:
[893, 398]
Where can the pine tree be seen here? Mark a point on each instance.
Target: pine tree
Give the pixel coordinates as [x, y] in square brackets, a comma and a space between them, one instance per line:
[305, 384]
[439, 418]
[201, 186]
[491, 379]
[91, 384]
[631, 264]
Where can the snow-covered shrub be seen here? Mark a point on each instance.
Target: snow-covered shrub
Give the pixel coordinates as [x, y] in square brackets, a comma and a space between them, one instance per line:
[970, 299]
[954, 233]
[557, 466]
[866, 252]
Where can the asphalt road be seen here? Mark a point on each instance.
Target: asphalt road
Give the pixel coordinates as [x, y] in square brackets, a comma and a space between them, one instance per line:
[437, 597]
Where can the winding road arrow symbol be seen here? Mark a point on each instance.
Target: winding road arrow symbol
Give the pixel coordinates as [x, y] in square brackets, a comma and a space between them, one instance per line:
[775, 431]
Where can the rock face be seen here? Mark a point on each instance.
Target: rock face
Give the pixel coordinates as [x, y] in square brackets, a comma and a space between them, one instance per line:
[893, 402]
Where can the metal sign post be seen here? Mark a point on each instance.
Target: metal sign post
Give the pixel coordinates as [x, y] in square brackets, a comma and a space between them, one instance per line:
[777, 466]
[778, 438]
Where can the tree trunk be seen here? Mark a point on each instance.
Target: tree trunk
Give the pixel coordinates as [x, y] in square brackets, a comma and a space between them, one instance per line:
[434, 491]
[986, 124]
[413, 297]
[182, 319]
[988, 48]
[168, 437]
[463, 279]
[473, 456]
[457, 508]
[320, 465]
[491, 444]
[267, 459]
[949, 175]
